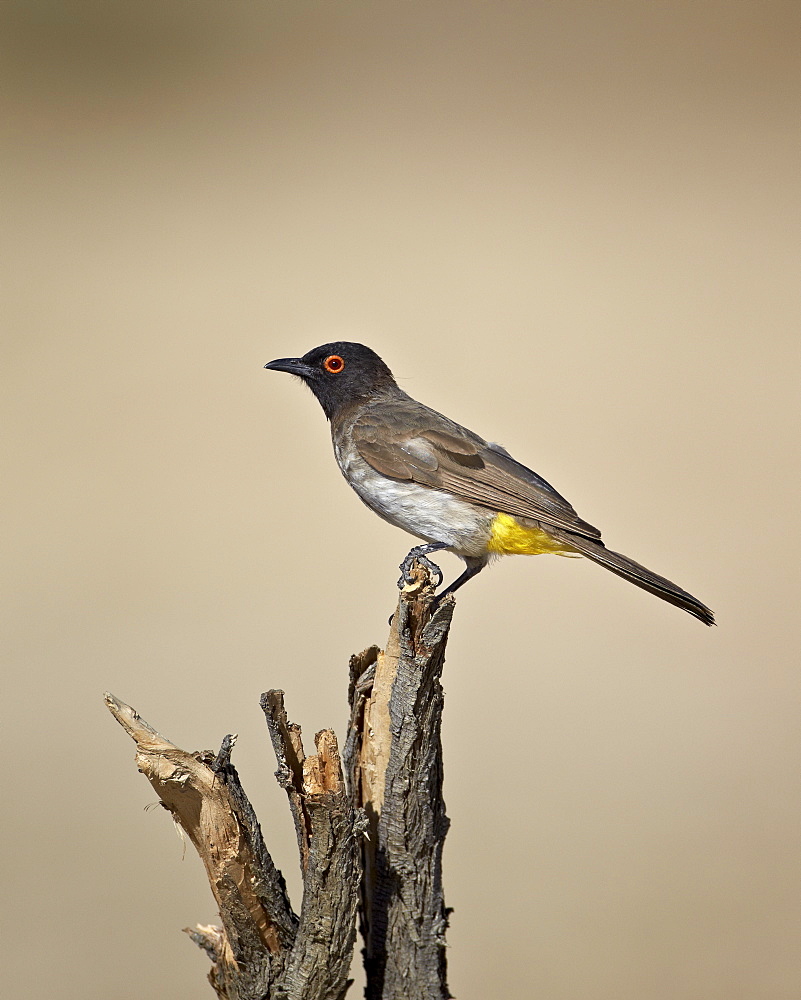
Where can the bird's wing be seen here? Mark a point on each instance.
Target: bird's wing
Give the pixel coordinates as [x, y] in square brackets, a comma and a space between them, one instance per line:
[405, 440]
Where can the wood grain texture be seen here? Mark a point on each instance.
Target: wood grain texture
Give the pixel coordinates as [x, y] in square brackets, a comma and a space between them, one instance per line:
[396, 774]
[372, 843]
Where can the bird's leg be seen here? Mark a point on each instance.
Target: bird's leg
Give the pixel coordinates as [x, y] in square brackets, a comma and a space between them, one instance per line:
[419, 552]
[460, 581]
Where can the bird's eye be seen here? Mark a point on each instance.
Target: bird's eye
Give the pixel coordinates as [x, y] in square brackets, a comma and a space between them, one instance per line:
[334, 364]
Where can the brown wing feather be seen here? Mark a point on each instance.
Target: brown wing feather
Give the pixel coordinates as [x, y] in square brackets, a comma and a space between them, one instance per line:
[405, 440]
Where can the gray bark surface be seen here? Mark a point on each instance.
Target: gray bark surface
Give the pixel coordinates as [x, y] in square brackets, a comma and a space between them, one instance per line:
[373, 844]
[394, 765]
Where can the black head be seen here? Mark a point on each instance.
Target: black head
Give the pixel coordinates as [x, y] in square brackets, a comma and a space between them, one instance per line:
[339, 374]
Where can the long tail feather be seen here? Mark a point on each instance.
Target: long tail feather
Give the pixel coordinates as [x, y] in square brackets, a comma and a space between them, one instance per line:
[636, 574]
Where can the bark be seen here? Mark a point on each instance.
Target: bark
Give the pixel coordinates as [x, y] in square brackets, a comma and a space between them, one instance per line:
[394, 763]
[373, 844]
[263, 950]
[317, 964]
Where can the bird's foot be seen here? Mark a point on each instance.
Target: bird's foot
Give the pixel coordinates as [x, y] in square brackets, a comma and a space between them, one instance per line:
[419, 553]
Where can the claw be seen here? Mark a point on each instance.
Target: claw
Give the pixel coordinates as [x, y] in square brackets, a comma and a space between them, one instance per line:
[433, 569]
[419, 553]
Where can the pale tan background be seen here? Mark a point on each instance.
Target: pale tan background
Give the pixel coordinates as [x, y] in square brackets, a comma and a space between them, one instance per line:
[573, 227]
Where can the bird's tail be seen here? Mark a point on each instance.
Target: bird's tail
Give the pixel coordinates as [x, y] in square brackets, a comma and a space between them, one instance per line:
[636, 574]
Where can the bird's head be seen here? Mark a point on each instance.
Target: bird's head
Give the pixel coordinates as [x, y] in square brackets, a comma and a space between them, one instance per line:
[339, 374]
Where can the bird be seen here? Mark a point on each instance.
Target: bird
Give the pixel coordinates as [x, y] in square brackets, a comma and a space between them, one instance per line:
[446, 485]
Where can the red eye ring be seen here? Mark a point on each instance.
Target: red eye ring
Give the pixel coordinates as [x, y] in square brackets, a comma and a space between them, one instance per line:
[334, 364]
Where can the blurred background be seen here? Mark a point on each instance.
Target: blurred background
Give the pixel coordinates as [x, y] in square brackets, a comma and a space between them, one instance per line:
[573, 227]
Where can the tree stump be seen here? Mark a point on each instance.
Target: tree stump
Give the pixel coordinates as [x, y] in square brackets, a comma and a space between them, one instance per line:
[371, 844]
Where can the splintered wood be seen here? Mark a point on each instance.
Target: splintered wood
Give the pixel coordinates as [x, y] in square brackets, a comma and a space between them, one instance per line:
[373, 843]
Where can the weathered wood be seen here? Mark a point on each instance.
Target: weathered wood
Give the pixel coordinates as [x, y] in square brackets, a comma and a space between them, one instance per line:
[374, 842]
[394, 764]
[263, 950]
[318, 963]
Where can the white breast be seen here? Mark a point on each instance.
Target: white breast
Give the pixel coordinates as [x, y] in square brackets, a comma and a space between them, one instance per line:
[433, 515]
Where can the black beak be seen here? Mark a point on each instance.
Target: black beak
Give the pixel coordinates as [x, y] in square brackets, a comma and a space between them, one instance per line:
[295, 366]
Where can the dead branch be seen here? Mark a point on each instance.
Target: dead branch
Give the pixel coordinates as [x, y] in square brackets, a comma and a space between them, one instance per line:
[394, 763]
[383, 831]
